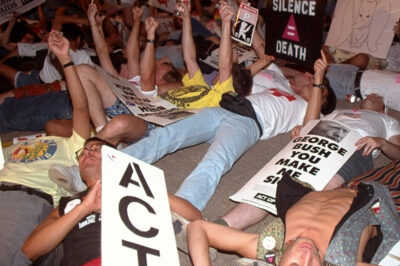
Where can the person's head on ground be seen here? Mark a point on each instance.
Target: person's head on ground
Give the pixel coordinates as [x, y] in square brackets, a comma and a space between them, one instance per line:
[166, 72]
[89, 158]
[242, 80]
[301, 251]
[73, 33]
[373, 102]
[329, 98]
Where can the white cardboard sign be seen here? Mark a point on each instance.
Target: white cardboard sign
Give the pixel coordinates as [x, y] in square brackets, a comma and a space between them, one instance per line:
[7, 7]
[151, 109]
[245, 24]
[314, 158]
[136, 219]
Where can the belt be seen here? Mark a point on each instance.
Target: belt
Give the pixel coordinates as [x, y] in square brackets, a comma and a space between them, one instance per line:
[357, 81]
[28, 190]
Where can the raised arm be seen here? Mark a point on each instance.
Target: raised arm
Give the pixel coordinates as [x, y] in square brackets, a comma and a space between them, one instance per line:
[225, 47]
[188, 46]
[59, 45]
[260, 64]
[96, 26]
[55, 228]
[315, 101]
[133, 46]
[148, 61]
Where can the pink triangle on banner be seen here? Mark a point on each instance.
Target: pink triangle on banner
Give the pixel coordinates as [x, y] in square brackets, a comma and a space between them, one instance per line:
[290, 32]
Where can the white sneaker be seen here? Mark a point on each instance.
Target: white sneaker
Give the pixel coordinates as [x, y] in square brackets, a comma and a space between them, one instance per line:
[67, 177]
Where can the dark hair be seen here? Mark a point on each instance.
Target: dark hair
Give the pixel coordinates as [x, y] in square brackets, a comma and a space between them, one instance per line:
[100, 140]
[172, 75]
[242, 80]
[71, 31]
[330, 104]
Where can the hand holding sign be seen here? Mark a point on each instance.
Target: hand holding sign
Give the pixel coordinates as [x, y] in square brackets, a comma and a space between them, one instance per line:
[226, 11]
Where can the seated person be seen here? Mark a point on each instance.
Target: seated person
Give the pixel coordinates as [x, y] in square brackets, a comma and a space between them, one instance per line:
[62, 225]
[313, 228]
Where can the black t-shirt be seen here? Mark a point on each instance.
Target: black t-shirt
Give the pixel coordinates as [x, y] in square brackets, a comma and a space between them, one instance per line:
[83, 243]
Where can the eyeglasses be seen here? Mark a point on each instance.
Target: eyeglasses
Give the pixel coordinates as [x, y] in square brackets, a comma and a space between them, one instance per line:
[92, 148]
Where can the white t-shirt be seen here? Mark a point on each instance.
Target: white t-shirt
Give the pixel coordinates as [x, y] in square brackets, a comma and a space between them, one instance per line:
[367, 123]
[50, 73]
[383, 83]
[277, 106]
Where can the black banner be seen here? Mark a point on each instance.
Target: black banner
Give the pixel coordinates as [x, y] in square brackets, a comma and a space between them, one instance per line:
[294, 30]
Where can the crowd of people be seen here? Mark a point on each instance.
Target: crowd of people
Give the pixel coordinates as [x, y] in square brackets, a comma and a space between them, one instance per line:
[49, 82]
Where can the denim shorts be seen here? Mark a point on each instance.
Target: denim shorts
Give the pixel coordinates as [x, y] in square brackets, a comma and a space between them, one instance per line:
[118, 108]
[356, 165]
[22, 79]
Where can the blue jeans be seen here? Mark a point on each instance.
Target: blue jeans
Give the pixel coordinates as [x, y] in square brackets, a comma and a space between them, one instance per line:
[21, 213]
[229, 134]
[23, 79]
[341, 78]
[32, 112]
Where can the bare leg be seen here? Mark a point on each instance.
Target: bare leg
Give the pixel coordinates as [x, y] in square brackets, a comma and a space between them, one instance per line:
[98, 93]
[59, 127]
[183, 208]
[126, 128]
[244, 215]
[202, 234]
[359, 60]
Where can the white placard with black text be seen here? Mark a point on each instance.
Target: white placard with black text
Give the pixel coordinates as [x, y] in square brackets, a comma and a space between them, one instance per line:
[8, 7]
[151, 109]
[314, 158]
[245, 24]
[136, 219]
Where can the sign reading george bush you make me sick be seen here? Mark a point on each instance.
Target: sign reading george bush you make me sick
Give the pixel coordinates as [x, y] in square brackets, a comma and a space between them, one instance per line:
[294, 30]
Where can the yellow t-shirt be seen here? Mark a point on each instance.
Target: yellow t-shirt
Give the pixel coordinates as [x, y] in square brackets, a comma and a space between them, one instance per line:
[27, 162]
[196, 94]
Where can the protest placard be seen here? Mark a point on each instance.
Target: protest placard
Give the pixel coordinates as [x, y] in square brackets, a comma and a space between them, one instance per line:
[8, 7]
[314, 158]
[364, 26]
[294, 30]
[244, 53]
[245, 24]
[136, 220]
[167, 5]
[151, 109]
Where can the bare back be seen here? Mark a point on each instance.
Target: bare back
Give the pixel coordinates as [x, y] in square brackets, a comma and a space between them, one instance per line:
[317, 214]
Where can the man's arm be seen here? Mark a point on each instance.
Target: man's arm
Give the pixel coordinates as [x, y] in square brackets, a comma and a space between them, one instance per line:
[391, 147]
[260, 64]
[188, 46]
[55, 228]
[133, 46]
[96, 26]
[59, 45]
[148, 62]
[225, 47]
[315, 101]
[202, 234]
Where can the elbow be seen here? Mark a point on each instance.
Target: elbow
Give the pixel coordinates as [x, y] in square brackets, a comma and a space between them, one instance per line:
[28, 251]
